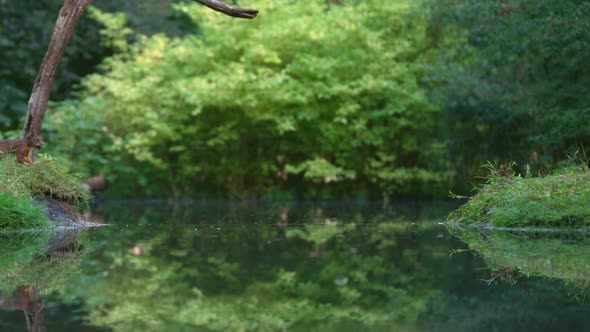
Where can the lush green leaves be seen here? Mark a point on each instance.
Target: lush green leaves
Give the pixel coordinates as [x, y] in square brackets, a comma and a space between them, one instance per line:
[513, 84]
[290, 99]
[337, 98]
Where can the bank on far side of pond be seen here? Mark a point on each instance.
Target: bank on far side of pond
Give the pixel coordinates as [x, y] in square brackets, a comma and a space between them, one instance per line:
[38, 196]
[506, 199]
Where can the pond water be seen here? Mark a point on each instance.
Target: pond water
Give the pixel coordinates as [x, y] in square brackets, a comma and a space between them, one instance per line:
[338, 266]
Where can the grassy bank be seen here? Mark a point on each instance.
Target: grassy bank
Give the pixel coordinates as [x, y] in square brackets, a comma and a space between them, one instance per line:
[23, 186]
[511, 200]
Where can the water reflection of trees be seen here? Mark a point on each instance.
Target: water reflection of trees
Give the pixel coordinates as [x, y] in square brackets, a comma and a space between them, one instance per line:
[288, 274]
[32, 261]
[300, 269]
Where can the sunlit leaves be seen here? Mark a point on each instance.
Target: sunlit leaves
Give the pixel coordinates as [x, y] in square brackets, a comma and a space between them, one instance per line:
[323, 88]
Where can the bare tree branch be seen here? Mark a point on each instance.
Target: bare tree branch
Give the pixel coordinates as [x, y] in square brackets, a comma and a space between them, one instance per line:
[229, 10]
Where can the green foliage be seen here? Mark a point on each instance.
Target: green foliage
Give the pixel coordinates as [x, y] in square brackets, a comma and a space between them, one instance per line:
[509, 200]
[26, 27]
[512, 81]
[314, 99]
[150, 16]
[347, 104]
[77, 139]
[256, 106]
[115, 32]
[320, 170]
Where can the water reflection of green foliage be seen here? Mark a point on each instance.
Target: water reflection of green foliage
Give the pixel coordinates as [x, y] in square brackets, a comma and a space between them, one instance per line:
[259, 278]
[559, 255]
[30, 258]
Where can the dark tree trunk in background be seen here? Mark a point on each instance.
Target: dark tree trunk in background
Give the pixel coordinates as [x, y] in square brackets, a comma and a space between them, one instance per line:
[69, 15]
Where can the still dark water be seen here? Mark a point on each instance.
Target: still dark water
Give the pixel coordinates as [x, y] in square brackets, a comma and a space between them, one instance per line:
[340, 266]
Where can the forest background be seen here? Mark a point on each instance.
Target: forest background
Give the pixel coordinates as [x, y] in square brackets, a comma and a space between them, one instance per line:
[312, 99]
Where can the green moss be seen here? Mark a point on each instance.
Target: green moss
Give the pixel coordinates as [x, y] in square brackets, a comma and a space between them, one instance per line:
[20, 185]
[509, 200]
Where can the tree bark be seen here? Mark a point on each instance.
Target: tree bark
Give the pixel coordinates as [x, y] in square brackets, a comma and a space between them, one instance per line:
[69, 15]
[229, 10]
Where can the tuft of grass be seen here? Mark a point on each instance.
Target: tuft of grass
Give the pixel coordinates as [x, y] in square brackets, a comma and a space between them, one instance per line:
[514, 200]
[18, 212]
[21, 185]
[47, 178]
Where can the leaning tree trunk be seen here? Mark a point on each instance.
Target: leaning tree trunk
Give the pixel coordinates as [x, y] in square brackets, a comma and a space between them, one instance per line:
[69, 15]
